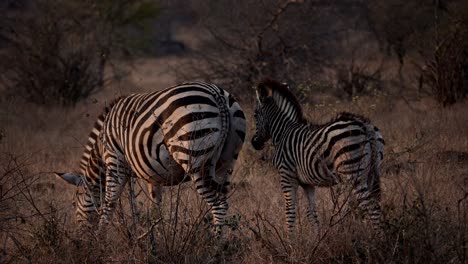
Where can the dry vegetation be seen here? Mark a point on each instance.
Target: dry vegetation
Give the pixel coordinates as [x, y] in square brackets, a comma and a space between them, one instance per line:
[424, 174]
[424, 177]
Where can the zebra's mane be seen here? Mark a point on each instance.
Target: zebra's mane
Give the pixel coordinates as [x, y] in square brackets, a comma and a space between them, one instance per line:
[283, 97]
[102, 116]
[108, 107]
[94, 134]
[347, 116]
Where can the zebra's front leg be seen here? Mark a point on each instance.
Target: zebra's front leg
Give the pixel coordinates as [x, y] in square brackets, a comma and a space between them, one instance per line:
[289, 187]
[207, 189]
[115, 181]
[311, 212]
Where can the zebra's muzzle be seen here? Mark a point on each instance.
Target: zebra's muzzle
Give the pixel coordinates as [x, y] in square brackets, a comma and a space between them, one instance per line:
[257, 143]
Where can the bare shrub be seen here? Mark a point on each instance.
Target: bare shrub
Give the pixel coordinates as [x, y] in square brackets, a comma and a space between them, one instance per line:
[250, 40]
[418, 227]
[11, 188]
[437, 30]
[445, 65]
[27, 229]
[394, 22]
[39, 230]
[356, 79]
[57, 51]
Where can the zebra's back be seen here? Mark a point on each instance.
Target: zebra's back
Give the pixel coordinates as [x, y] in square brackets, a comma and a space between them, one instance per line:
[163, 135]
[345, 147]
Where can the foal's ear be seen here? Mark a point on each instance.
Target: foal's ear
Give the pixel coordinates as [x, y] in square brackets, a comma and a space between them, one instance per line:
[71, 178]
[263, 92]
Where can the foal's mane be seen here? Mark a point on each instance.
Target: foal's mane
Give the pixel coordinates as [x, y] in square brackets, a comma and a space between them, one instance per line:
[280, 90]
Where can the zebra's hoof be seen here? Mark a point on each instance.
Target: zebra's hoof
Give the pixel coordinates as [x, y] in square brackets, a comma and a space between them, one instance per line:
[218, 231]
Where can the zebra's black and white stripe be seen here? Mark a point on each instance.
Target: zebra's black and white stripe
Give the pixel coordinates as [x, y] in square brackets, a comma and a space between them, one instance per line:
[194, 129]
[348, 149]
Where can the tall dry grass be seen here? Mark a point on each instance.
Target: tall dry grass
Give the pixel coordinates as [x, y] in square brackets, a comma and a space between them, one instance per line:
[424, 184]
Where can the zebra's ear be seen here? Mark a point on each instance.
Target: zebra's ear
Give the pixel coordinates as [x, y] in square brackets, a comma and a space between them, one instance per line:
[71, 178]
[263, 92]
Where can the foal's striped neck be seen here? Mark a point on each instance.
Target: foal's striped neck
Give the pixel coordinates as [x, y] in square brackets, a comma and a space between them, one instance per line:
[284, 100]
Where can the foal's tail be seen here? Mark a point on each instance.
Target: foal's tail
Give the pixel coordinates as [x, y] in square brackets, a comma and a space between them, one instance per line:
[377, 144]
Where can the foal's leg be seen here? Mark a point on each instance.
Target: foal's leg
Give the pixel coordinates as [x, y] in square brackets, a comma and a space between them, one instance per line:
[311, 212]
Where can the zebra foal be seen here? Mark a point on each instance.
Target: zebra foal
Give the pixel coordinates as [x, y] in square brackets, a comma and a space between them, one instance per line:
[194, 129]
[348, 149]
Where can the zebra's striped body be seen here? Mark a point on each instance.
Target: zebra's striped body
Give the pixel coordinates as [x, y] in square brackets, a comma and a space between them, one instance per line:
[348, 149]
[194, 129]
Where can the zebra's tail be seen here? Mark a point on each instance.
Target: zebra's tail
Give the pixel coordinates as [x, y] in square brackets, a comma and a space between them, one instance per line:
[373, 207]
[377, 145]
[222, 105]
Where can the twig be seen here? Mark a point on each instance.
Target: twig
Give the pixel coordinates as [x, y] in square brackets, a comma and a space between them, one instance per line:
[149, 230]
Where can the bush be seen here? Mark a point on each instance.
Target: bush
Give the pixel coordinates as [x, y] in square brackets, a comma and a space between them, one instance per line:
[438, 31]
[286, 40]
[57, 51]
[445, 68]
[357, 79]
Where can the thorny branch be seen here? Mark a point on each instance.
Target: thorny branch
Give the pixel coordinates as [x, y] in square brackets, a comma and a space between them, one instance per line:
[272, 23]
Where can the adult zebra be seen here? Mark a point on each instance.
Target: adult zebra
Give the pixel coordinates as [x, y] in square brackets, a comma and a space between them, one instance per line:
[194, 129]
[347, 149]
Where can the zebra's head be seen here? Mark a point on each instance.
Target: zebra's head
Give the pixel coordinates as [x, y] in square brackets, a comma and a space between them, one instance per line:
[85, 203]
[262, 131]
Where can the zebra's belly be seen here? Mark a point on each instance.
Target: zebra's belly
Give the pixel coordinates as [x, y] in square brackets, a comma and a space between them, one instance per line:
[154, 163]
[167, 173]
[319, 175]
[319, 181]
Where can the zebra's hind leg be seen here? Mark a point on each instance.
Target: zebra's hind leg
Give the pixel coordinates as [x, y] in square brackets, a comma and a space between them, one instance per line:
[311, 212]
[369, 202]
[154, 213]
[207, 189]
[289, 187]
[155, 192]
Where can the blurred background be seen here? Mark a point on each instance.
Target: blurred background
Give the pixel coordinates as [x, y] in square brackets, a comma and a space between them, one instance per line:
[63, 52]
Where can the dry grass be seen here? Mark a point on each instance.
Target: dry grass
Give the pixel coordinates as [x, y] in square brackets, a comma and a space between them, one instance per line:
[424, 177]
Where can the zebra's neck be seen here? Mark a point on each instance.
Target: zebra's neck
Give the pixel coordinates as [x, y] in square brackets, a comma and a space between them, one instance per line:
[280, 121]
[289, 107]
[91, 165]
